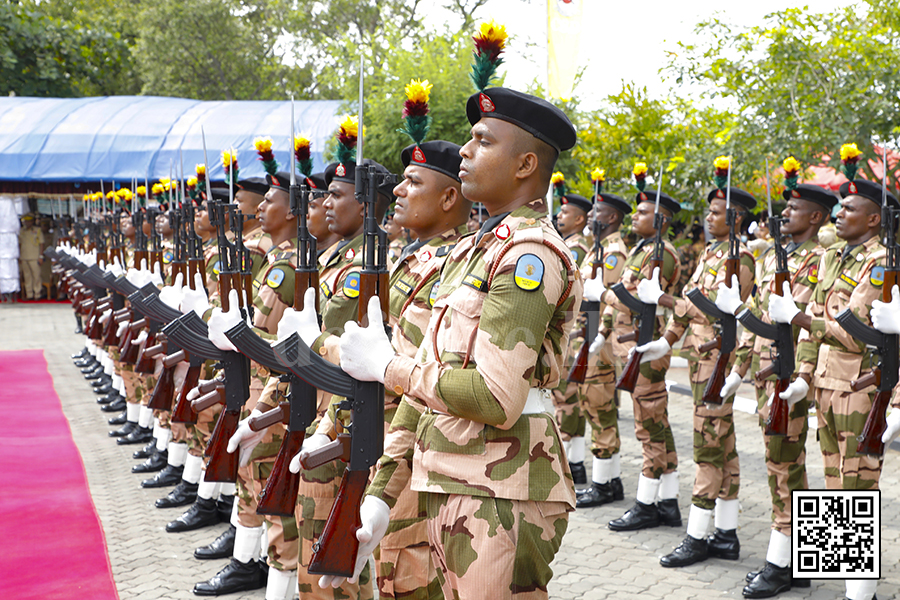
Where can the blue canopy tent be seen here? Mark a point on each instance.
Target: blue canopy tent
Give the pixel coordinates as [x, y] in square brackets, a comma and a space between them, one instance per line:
[77, 141]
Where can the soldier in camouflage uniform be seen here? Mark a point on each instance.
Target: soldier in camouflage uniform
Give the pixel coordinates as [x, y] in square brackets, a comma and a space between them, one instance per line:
[597, 395]
[657, 494]
[486, 453]
[570, 222]
[717, 480]
[850, 275]
[807, 209]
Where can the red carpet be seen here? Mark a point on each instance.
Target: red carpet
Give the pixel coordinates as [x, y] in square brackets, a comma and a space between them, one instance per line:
[52, 545]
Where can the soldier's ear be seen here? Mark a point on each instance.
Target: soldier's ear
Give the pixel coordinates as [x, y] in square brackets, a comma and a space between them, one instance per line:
[449, 198]
[528, 165]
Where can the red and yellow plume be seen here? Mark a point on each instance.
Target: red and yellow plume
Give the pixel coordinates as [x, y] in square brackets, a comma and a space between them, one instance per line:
[416, 120]
[490, 42]
[850, 155]
[791, 172]
[303, 155]
[347, 135]
[640, 175]
[263, 147]
[230, 164]
[559, 184]
[722, 165]
[598, 176]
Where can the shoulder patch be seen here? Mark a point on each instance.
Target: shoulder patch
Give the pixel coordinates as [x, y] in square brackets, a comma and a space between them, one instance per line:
[611, 261]
[351, 285]
[403, 287]
[475, 282]
[813, 275]
[876, 276]
[275, 277]
[325, 289]
[168, 256]
[434, 292]
[217, 267]
[529, 272]
[574, 254]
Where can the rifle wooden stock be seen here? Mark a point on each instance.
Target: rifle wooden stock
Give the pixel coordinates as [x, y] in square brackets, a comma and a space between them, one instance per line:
[869, 441]
[173, 359]
[279, 414]
[280, 494]
[302, 282]
[164, 390]
[713, 389]
[334, 553]
[779, 411]
[764, 374]
[217, 396]
[184, 412]
[578, 372]
[222, 465]
[372, 284]
[710, 345]
[139, 324]
[873, 377]
[337, 449]
[627, 337]
[154, 351]
[145, 364]
[109, 333]
[628, 379]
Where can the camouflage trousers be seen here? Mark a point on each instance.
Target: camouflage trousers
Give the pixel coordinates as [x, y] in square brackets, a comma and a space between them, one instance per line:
[785, 457]
[841, 417]
[283, 537]
[179, 432]
[718, 468]
[246, 497]
[598, 405]
[493, 547]
[567, 409]
[651, 419]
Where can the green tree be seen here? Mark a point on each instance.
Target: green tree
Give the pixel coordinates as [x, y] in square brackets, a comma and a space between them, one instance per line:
[802, 83]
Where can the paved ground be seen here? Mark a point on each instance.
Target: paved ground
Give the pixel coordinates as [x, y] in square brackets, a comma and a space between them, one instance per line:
[593, 563]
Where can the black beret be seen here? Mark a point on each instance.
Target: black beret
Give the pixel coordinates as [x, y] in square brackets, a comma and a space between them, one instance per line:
[436, 155]
[667, 202]
[868, 190]
[280, 180]
[257, 185]
[219, 193]
[812, 193]
[317, 181]
[738, 196]
[346, 172]
[617, 202]
[577, 201]
[535, 115]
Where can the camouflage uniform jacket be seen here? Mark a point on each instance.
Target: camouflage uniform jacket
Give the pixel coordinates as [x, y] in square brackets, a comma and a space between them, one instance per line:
[845, 280]
[395, 249]
[617, 318]
[213, 264]
[339, 295]
[709, 274]
[580, 245]
[803, 264]
[499, 328]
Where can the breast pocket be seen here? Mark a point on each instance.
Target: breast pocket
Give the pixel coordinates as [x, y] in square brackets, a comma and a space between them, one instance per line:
[459, 324]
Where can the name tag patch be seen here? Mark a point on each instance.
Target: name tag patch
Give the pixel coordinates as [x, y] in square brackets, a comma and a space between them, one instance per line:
[529, 272]
[403, 287]
[847, 279]
[325, 289]
[474, 282]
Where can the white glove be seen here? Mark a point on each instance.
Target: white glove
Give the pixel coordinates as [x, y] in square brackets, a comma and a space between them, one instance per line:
[107, 314]
[594, 289]
[893, 421]
[598, 343]
[171, 294]
[194, 392]
[728, 299]
[122, 327]
[304, 323]
[648, 289]
[782, 309]
[141, 338]
[732, 383]
[156, 277]
[366, 351]
[653, 350]
[90, 259]
[134, 275]
[115, 268]
[886, 315]
[374, 515]
[222, 321]
[246, 438]
[313, 442]
[195, 300]
[793, 393]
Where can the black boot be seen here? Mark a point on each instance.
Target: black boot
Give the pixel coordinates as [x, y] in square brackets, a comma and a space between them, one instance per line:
[579, 473]
[119, 419]
[235, 577]
[145, 452]
[184, 494]
[169, 476]
[795, 583]
[221, 547]
[688, 552]
[155, 463]
[110, 396]
[127, 428]
[140, 435]
[770, 581]
[89, 366]
[224, 505]
[669, 513]
[641, 516]
[618, 491]
[86, 362]
[104, 381]
[93, 372]
[114, 406]
[103, 390]
[81, 355]
[596, 495]
[724, 544]
[202, 513]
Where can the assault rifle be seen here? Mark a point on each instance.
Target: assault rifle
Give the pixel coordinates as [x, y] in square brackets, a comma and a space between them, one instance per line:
[782, 334]
[726, 340]
[885, 373]
[645, 312]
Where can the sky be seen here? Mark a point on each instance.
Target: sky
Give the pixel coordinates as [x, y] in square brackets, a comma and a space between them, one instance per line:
[620, 40]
